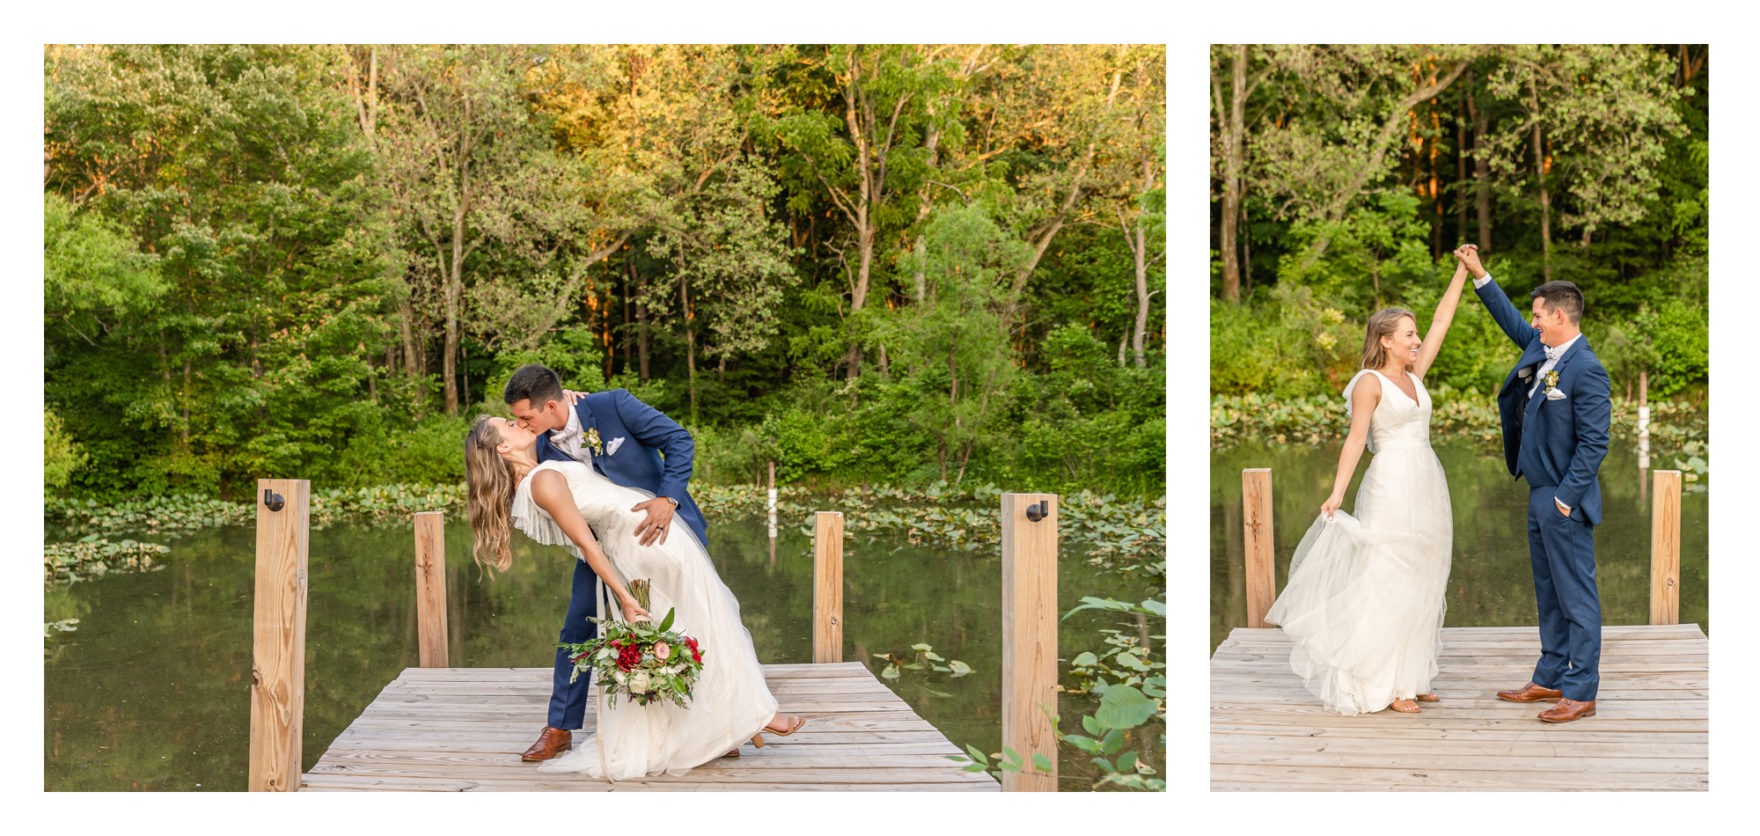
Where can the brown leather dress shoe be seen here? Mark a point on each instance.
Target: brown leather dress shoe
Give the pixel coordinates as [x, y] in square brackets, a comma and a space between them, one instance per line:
[1568, 710]
[552, 742]
[1530, 693]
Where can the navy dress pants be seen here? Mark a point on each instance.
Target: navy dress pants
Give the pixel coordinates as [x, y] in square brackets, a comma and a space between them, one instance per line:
[568, 703]
[1562, 551]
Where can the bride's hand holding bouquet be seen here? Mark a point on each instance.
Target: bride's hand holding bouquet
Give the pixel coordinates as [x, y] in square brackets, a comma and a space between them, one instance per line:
[637, 658]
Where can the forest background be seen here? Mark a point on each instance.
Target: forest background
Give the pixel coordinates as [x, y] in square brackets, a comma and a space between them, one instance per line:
[893, 264]
[1342, 177]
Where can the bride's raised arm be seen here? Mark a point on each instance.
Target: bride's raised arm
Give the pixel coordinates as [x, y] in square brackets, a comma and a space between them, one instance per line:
[1451, 299]
[550, 491]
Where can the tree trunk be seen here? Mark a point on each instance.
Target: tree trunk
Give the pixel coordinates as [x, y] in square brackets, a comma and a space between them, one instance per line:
[690, 343]
[412, 364]
[1234, 152]
[1142, 297]
[932, 141]
[1460, 167]
[627, 303]
[1545, 198]
[1481, 166]
[1435, 183]
[1041, 239]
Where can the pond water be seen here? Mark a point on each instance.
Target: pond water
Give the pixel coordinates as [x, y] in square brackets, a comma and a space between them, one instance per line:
[1490, 582]
[152, 691]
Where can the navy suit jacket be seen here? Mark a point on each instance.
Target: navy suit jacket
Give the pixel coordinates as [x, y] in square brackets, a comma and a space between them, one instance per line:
[645, 432]
[1554, 443]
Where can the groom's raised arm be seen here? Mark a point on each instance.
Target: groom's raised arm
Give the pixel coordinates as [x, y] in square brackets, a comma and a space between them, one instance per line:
[1504, 312]
[1513, 323]
[650, 426]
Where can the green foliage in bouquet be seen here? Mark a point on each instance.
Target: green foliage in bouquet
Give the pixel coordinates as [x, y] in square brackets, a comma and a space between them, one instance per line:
[639, 660]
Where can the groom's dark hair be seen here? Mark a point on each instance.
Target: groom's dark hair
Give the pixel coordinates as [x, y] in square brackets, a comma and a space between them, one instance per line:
[1561, 294]
[533, 383]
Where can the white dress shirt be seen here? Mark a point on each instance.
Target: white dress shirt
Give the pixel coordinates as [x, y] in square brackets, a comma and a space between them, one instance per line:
[568, 439]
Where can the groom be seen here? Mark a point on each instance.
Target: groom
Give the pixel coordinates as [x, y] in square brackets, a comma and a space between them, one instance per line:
[623, 439]
[1556, 413]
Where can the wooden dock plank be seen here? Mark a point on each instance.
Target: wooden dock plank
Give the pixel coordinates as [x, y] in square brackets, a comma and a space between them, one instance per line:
[1650, 732]
[462, 729]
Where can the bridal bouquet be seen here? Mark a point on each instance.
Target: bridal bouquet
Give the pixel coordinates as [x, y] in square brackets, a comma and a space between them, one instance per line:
[639, 660]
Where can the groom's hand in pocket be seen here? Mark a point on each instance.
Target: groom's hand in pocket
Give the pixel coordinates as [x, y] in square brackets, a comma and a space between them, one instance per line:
[658, 522]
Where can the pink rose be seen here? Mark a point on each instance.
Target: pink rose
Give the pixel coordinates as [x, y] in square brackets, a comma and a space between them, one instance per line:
[661, 651]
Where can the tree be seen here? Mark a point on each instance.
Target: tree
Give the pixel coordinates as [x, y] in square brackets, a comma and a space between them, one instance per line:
[470, 167]
[867, 154]
[93, 274]
[951, 354]
[236, 166]
[1229, 146]
[1601, 115]
[1135, 169]
[1321, 158]
[723, 245]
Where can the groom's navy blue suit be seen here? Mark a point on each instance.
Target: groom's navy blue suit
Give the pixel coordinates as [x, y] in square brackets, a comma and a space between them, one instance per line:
[632, 435]
[1558, 446]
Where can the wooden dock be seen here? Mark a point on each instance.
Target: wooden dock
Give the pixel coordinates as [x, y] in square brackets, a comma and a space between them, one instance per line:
[1650, 731]
[462, 729]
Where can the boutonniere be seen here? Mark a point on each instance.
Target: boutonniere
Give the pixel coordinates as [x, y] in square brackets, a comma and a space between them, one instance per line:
[592, 442]
[1552, 393]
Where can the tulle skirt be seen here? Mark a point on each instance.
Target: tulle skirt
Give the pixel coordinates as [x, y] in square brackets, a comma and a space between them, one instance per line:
[1367, 593]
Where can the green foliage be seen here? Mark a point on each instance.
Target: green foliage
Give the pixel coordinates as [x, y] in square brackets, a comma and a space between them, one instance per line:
[285, 260]
[61, 456]
[92, 556]
[922, 658]
[1356, 192]
[92, 270]
[1679, 338]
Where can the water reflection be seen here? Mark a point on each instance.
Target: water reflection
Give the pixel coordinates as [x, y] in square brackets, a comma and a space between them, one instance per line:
[153, 690]
[1490, 583]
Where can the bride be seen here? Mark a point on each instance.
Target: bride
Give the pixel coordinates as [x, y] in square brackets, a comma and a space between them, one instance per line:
[1366, 594]
[554, 503]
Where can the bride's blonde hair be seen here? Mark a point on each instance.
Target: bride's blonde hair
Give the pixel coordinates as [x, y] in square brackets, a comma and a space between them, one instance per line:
[489, 486]
[1382, 324]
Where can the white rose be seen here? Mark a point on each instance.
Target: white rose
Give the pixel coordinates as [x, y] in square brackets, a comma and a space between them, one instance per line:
[639, 682]
[618, 677]
[675, 670]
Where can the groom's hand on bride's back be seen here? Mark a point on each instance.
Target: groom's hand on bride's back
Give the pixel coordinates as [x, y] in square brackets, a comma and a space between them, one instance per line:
[657, 523]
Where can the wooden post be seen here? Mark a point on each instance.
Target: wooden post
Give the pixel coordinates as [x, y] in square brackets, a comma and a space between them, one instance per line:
[431, 589]
[827, 587]
[278, 645]
[1029, 636]
[1256, 523]
[1665, 549]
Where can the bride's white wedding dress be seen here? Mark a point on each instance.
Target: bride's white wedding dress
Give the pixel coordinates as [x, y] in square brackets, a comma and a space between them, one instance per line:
[729, 702]
[1367, 593]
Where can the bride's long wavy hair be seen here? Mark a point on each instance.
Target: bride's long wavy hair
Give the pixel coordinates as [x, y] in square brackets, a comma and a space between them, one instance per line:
[489, 486]
[1382, 324]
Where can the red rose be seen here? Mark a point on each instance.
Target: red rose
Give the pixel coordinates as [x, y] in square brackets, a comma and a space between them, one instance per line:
[692, 643]
[628, 657]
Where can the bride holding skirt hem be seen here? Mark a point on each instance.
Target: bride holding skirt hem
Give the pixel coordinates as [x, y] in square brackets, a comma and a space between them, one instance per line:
[1367, 593]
